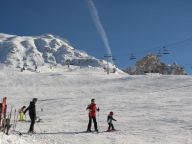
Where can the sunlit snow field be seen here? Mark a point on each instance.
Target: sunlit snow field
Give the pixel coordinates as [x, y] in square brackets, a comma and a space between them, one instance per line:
[150, 109]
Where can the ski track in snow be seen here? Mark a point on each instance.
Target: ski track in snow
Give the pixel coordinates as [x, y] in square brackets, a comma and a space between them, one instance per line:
[150, 109]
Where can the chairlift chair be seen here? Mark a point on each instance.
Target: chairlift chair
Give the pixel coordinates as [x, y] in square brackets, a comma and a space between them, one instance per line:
[132, 57]
[165, 51]
[113, 58]
[159, 54]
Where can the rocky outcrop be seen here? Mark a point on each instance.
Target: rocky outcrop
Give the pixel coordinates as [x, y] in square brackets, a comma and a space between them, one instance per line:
[152, 64]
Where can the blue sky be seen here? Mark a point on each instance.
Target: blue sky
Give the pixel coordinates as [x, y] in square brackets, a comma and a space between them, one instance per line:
[132, 26]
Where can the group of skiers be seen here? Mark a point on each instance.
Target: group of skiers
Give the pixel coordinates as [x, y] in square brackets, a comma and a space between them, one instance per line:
[92, 116]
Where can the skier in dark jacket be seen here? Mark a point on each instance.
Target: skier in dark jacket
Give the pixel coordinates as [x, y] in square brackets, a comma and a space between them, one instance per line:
[92, 115]
[110, 120]
[32, 114]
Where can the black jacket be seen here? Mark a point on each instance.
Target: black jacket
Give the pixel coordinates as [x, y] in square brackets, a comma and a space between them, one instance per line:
[32, 110]
[110, 119]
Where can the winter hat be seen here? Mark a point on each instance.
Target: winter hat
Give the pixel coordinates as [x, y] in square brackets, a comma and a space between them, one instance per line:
[92, 100]
[34, 99]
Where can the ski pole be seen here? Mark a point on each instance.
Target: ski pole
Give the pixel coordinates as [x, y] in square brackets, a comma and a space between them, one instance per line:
[14, 121]
[98, 121]
[39, 128]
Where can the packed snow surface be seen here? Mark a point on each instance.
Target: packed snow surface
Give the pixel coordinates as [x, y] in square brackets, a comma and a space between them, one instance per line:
[150, 109]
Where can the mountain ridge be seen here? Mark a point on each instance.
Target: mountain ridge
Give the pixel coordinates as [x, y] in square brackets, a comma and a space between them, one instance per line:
[47, 49]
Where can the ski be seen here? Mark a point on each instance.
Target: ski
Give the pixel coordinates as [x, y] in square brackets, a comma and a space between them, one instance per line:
[92, 132]
[111, 131]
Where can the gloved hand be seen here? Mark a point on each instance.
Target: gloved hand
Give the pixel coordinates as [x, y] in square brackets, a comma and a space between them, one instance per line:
[98, 109]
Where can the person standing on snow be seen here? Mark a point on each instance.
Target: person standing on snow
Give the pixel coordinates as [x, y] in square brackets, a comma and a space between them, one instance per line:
[92, 115]
[110, 120]
[21, 114]
[32, 114]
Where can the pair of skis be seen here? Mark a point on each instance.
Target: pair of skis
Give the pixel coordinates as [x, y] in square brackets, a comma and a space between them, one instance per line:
[4, 121]
[8, 122]
[96, 132]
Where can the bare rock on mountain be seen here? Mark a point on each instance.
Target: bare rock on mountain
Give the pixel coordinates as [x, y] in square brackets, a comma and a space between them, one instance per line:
[152, 64]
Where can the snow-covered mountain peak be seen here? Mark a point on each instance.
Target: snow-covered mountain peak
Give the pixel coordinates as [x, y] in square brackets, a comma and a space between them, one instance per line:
[30, 51]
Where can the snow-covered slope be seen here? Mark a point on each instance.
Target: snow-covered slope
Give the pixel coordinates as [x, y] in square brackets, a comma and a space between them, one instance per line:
[150, 109]
[28, 52]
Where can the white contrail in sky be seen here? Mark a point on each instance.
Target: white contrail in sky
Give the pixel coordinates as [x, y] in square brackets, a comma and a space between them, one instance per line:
[99, 26]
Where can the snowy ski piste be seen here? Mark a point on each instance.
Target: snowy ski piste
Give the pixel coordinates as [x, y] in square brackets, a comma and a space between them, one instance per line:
[149, 109]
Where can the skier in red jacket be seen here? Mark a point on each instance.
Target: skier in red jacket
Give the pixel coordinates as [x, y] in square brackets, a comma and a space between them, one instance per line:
[92, 115]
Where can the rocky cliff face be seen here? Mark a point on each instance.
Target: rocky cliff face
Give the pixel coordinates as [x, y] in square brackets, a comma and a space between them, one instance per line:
[152, 64]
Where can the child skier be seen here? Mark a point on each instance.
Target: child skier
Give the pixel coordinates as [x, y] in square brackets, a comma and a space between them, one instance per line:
[21, 114]
[109, 121]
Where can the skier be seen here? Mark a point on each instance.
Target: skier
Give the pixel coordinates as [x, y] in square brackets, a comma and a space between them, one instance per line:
[22, 69]
[35, 67]
[32, 114]
[92, 115]
[109, 121]
[21, 114]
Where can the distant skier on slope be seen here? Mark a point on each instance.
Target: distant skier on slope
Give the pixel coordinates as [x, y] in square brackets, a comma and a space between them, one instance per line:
[32, 114]
[92, 115]
[110, 120]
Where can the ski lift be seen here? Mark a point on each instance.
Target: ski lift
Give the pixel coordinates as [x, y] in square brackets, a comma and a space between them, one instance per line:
[165, 51]
[159, 54]
[113, 58]
[109, 57]
[132, 57]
